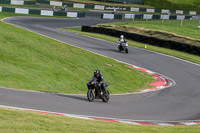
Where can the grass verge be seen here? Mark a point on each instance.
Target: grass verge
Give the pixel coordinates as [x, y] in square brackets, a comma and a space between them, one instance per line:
[32, 62]
[166, 29]
[185, 56]
[15, 121]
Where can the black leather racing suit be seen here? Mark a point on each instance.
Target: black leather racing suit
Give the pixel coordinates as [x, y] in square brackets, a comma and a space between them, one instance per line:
[100, 81]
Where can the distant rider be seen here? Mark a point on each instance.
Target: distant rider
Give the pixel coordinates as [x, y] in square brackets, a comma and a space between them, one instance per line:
[99, 79]
[122, 40]
[64, 8]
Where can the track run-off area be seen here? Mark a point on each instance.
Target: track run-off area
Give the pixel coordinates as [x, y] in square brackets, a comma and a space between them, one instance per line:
[174, 105]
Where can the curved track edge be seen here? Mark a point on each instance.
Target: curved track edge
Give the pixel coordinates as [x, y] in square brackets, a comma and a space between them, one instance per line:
[106, 119]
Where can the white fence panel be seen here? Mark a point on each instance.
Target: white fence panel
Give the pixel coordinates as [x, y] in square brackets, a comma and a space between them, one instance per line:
[79, 5]
[46, 13]
[129, 16]
[164, 17]
[134, 9]
[0, 9]
[99, 7]
[72, 14]
[150, 10]
[193, 13]
[108, 16]
[21, 11]
[147, 16]
[17, 2]
[179, 12]
[55, 3]
[165, 11]
[180, 17]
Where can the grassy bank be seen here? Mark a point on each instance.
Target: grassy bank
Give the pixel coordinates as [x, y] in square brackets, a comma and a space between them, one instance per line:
[174, 53]
[168, 30]
[14, 121]
[32, 62]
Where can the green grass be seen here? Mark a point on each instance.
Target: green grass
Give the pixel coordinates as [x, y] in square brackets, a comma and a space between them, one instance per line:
[32, 62]
[15, 121]
[174, 4]
[188, 29]
[174, 53]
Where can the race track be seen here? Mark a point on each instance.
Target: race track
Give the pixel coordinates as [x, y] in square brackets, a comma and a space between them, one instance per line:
[180, 102]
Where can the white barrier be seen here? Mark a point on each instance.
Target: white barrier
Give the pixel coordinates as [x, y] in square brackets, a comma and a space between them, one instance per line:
[72, 14]
[108, 16]
[0, 9]
[78, 5]
[99, 7]
[21, 11]
[148, 16]
[55, 3]
[17, 2]
[180, 17]
[179, 12]
[135, 9]
[164, 17]
[193, 13]
[129, 16]
[46, 13]
[150, 10]
[165, 11]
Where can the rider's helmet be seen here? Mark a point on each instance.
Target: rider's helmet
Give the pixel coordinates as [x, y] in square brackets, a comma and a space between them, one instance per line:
[121, 37]
[96, 73]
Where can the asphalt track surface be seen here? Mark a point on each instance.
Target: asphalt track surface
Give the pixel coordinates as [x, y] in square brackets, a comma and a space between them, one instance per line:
[177, 103]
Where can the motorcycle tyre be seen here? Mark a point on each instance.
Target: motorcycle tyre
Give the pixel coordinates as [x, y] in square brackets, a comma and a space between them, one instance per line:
[90, 95]
[106, 96]
[126, 50]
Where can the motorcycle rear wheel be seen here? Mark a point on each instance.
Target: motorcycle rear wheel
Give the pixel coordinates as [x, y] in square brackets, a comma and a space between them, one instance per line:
[90, 95]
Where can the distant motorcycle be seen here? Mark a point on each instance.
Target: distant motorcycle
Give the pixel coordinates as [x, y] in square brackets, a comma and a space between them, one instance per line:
[123, 46]
[96, 92]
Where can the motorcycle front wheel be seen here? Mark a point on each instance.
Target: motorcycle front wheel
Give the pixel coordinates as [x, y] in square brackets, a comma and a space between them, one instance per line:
[106, 96]
[126, 50]
[90, 95]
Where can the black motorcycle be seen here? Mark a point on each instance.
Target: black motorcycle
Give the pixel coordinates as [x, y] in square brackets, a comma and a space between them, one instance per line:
[96, 92]
[123, 46]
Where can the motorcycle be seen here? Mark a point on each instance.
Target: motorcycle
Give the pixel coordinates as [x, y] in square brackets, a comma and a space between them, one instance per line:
[123, 46]
[96, 92]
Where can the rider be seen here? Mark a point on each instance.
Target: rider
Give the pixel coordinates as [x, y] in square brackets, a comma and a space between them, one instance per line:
[99, 79]
[64, 8]
[122, 40]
